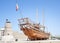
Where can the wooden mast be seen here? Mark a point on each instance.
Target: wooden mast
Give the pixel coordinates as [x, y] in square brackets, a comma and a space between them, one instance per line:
[37, 15]
[43, 19]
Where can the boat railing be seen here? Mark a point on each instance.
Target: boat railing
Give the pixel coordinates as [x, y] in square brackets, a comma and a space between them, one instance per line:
[25, 21]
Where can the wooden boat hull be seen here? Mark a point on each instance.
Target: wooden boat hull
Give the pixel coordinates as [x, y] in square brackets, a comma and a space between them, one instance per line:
[34, 34]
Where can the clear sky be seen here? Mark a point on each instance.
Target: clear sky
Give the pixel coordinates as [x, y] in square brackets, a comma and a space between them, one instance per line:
[28, 9]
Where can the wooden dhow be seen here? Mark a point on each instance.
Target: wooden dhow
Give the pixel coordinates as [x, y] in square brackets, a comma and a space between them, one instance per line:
[33, 30]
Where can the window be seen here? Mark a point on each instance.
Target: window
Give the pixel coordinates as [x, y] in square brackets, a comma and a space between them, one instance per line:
[8, 33]
[16, 40]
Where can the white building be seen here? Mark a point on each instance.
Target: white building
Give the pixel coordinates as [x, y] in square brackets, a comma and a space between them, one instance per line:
[7, 34]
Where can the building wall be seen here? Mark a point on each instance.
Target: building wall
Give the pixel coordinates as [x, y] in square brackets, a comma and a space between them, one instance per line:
[8, 29]
[19, 36]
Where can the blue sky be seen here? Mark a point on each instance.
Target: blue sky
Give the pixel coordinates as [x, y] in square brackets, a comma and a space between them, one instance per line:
[27, 8]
